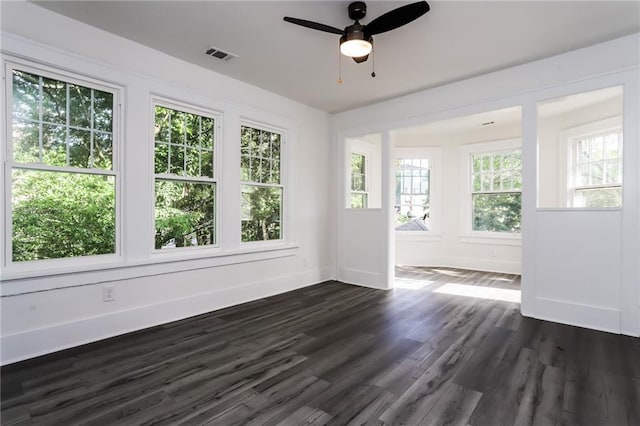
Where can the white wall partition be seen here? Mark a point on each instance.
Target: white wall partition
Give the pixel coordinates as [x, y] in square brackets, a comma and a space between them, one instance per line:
[579, 267]
[363, 233]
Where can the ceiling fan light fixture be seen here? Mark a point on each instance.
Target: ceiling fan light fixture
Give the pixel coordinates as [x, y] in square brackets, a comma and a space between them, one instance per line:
[355, 48]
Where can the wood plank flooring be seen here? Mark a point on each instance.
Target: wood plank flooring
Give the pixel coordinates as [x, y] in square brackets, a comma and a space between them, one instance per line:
[341, 355]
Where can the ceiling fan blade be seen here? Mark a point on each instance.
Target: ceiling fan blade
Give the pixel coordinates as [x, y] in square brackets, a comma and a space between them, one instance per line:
[314, 25]
[397, 18]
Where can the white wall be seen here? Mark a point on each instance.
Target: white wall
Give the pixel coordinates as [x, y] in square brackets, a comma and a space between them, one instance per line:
[554, 287]
[44, 312]
[450, 246]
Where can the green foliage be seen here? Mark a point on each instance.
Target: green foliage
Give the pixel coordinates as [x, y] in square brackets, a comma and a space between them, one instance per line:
[184, 213]
[58, 215]
[497, 212]
[261, 213]
[261, 205]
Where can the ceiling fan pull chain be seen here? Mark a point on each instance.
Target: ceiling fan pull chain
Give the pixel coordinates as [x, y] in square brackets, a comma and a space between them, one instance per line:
[373, 62]
[339, 66]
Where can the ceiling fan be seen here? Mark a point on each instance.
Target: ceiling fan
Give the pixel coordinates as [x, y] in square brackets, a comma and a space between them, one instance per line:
[356, 40]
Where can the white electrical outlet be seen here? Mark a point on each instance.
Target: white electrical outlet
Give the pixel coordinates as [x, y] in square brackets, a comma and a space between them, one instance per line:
[108, 293]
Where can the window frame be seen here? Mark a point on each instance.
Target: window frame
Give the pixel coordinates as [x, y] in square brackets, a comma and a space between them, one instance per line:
[467, 233]
[40, 266]
[569, 143]
[285, 217]
[434, 156]
[190, 108]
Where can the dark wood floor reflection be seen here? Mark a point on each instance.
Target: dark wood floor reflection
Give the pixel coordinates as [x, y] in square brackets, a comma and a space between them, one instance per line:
[340, 354]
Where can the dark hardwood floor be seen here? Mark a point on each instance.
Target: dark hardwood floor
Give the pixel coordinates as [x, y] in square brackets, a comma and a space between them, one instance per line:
[340, 354]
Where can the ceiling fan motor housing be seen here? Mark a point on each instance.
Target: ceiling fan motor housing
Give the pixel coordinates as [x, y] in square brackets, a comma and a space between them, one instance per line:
[355, 32]
[357, 10]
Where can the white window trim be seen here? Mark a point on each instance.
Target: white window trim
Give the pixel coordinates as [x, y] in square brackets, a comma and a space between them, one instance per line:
[166, 102]
[372, 171]
[46, 266]
[568, 140]
[285, 217]
[467, 234]
[434, 155]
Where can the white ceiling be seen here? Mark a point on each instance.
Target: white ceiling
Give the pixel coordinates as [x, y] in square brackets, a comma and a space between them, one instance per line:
[454, 41]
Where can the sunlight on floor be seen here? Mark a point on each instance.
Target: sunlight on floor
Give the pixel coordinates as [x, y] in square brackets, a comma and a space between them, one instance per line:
[411, 284]
[492, 293]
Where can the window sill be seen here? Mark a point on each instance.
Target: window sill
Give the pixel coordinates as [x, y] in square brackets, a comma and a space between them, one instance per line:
[417, 236]
[15, 283]
[577, 209]
[492, 238]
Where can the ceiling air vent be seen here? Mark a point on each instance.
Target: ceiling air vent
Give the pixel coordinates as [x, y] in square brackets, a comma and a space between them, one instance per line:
[214, 52]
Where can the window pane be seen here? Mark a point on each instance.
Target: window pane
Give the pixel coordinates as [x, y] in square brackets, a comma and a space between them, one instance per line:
[57, 215]
[63, 134]
[357, 182]
[54, 102]
[79, 106]
[26, 145]
[162, 124]
[207, 135]
[358, 200]
[176, 153]
[206, 161]
[161, 164]
[245, 168]
[26, 95]
[103, 150]
[596, 148]
[596, 173]
[79, 148]
[54, 145]
[516, 180]
[245, 141]
[275, 172]
[102, 111]
[584, 151]
[477, 183]
[612, 172]
[497, 212]
[193, 162]
[190, 152]
[178, 133]
[261, 213]
[599, 197]
[412, 194]
[583, 175]
[192, 128]
[184, 214]
[486, 182]
[357, 163]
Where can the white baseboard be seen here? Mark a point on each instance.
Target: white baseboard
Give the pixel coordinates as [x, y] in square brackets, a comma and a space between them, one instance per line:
[363, 278]
[586, 316]
[475, 264]
[41, 341]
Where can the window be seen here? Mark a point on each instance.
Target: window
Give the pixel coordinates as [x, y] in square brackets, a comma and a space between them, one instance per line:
[261, 170]
[412, 194]
[597, 169]
[185, 176]
[496, 186]
[358, 181]
[62, 157]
